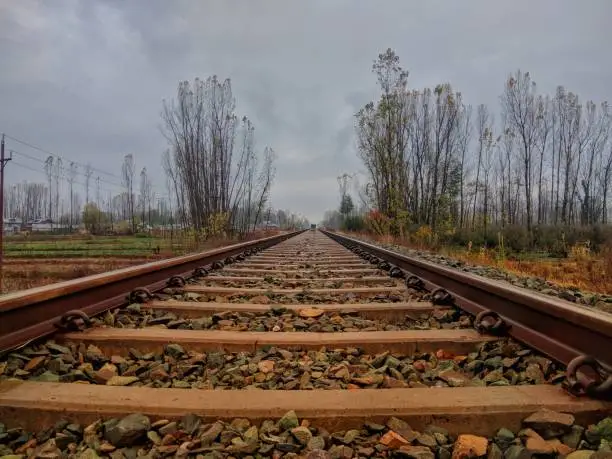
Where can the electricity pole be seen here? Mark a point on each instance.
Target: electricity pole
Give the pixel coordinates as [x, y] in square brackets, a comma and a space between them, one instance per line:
[3, 162]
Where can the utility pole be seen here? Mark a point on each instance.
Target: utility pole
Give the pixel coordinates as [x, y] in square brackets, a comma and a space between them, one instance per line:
[3, 162]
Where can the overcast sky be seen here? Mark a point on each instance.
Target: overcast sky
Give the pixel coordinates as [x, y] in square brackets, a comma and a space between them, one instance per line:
[85, 79]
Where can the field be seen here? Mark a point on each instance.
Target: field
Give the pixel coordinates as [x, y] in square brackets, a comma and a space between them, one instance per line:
[35, 260]
[581, 270]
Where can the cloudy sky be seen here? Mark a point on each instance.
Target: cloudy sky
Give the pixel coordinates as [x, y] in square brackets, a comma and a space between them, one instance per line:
[85, 79]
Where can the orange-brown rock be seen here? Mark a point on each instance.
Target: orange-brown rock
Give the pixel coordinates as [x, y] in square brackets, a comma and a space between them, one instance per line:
[260, 299]
[35, 363]
[310, 312]
[266, 366]
[468, 446]
[393, 440]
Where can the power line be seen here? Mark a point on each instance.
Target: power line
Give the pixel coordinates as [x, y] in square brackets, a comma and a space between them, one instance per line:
[78, 172]
[83, 166]
[27, 144]
[23, 166]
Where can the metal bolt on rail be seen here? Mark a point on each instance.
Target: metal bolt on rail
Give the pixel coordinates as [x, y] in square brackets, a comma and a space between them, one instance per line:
[140, 295]
[218, 265]
[441, 296]
[201, 271]
[229, 260]
[396, 272]
[490, 322]
[384, 265]
[579, 384]
[176, 281]
[415, 283]
[75, 320]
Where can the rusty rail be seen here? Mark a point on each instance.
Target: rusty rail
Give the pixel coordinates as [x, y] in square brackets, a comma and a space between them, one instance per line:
[576, 336]
[33, 313]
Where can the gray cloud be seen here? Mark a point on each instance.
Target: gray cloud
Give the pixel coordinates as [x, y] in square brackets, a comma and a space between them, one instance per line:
[86, 78]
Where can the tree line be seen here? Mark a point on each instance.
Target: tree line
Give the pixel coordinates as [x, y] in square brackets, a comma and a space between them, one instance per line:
[432, 159]
[215, 175]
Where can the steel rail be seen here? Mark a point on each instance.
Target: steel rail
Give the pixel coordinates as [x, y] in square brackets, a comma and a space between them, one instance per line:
[566, 332]
[30, 314]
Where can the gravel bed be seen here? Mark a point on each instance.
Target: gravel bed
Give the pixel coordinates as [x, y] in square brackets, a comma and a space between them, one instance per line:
[498, 363]
[302, 297]
[280, 319]
[544, 434]
[288, 275]
[277, 282]
[600, 301]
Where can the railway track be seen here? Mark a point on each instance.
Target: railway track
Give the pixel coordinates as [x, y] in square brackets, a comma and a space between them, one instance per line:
[305, 345]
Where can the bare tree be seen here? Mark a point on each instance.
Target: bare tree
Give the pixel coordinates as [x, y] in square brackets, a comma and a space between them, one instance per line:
[57, 172]
[145, 194]
[544, 127]
[483, 131]
[382, 131]
[596, 143]
[519, 107]
[127, 175]
[266, 179]
[211, 166]
[26, 201]
[72, 172]
[49, 172]
[88, 174]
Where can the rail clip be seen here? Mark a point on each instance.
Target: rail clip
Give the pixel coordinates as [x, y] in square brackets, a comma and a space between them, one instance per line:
[384, 265]
[176, 281]
[579, 384]
[140, 295]
[200, 272]
[75, 320]
[441, 297]
[490, 322]
[415, 283]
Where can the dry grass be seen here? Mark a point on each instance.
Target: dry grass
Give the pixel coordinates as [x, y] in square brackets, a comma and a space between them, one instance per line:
[582, 270]
[17, 277]
[591, 273]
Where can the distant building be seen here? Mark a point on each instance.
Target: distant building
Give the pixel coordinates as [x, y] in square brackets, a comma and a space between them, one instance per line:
[268, 225]
[11, 225]
[46, 225]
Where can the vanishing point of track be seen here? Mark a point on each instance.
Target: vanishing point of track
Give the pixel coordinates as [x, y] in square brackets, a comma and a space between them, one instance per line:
[339, 331]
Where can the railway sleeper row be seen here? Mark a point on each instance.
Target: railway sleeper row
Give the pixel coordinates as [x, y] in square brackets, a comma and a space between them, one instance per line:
[303, 341]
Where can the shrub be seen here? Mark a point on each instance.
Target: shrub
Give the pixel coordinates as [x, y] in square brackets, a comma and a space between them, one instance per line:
[354, 223]
[378, 223]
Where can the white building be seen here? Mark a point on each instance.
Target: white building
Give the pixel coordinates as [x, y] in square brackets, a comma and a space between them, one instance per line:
[11, 225]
